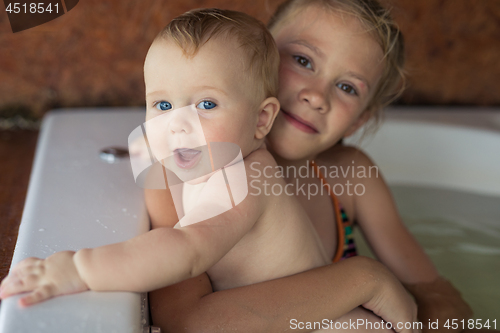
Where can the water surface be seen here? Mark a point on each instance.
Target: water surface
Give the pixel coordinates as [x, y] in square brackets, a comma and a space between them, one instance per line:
[460, 232]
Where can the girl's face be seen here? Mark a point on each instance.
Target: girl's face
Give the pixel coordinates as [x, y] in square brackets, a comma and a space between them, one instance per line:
[330, 68]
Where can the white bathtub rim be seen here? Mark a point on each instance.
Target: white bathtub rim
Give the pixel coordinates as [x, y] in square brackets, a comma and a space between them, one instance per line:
[453, 150]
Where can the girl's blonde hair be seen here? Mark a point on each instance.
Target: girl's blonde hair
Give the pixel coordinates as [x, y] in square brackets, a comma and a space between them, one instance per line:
[379, 23]
[193, 29]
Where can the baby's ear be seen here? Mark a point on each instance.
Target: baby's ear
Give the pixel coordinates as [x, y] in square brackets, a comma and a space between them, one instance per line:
[362, 119]
[268, 110]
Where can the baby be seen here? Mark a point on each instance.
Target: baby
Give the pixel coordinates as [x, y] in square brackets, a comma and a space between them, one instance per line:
[221, 66]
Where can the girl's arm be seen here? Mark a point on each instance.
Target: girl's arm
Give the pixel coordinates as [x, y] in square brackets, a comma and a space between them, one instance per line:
[393, 244]
[324, 293]
[376, 214]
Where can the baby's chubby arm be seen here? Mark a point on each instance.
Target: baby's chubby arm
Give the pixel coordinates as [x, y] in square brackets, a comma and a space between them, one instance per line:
[150, 261]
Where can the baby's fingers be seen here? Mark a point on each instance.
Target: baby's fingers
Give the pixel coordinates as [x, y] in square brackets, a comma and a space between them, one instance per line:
[25, 276]
[18, 270]
[17, 283]
[38, 295]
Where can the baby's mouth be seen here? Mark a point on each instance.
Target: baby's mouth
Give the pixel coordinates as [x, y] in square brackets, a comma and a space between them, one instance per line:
[186, 158]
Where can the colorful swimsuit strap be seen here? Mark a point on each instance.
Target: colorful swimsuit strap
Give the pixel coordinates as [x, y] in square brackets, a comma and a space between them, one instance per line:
[338, 214]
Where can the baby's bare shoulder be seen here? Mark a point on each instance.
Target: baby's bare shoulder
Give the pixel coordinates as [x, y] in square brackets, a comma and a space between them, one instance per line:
[261, 155]
[259, 163]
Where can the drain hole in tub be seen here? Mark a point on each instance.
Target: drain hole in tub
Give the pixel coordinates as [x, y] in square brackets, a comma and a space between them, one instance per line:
[113, 154]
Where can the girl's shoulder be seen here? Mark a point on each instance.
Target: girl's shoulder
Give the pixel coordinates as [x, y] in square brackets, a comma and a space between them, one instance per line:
[344, 155]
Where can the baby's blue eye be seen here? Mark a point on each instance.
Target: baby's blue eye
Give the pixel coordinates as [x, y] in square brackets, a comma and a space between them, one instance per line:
[206, 105]
[347, 88]
[304, 62]
[163, 105]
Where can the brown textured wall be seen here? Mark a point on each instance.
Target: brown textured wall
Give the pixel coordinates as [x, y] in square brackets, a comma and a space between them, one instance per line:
[453, 50]
[93, 55]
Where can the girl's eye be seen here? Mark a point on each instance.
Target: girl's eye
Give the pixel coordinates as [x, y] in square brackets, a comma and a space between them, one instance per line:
[163, 106]
[347, 88]
[206, 105]
[304, 62]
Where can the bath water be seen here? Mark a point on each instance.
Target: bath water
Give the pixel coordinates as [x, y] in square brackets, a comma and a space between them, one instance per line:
[460, 231]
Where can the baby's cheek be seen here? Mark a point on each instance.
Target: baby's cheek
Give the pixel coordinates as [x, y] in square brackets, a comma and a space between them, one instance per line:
[151, 113]
[216, 132]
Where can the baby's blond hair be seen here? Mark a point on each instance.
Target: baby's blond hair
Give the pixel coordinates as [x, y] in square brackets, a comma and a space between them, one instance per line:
[379, 23]
[194, 28]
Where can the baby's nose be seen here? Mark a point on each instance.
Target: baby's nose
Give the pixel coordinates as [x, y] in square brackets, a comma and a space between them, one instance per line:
[178, 123]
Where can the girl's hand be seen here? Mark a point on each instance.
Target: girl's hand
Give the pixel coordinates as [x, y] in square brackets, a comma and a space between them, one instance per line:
[439, 301]
[43, 279]
[394, 304]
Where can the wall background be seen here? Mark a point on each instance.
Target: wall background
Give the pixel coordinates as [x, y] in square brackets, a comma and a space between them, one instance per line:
[93, 55]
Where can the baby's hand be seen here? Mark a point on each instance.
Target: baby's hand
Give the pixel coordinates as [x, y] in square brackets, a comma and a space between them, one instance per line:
[43, 279]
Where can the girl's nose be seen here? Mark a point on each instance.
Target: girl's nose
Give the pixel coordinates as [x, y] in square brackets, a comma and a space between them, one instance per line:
[315, 99]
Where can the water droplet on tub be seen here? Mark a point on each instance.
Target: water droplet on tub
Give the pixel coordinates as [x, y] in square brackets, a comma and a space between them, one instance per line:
[102, 224]
[124, 210]
[42, 229]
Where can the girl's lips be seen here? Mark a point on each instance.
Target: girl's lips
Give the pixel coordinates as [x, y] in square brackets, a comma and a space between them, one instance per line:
[300, 123]
[186, 158]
